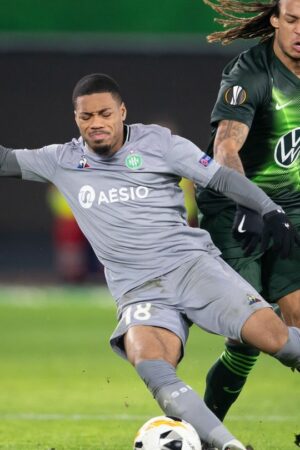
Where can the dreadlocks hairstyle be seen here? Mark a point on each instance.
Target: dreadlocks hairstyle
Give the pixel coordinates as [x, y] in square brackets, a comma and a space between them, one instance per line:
[257, 26]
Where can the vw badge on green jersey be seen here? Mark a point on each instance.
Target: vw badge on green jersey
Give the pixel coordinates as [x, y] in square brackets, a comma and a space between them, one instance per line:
[134, 161]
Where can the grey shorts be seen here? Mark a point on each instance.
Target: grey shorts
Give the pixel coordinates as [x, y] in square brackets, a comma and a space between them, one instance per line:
[205, 291]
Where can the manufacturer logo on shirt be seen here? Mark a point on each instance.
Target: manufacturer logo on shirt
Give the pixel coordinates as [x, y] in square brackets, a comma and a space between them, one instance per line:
[288, 148]
[83, 163]
[235, 96]
[87, 195]
[279, 106]
[241, 225]
[134, 161]
[252, 299]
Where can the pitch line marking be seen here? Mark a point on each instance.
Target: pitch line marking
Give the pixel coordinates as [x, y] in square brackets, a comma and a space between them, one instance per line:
[128, 417]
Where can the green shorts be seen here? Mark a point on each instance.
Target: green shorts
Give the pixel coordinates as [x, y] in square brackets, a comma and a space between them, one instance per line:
[270, 275]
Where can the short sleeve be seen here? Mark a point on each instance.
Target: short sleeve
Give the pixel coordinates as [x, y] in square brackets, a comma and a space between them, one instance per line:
[186, 160]
[38, 165]
[244, 88]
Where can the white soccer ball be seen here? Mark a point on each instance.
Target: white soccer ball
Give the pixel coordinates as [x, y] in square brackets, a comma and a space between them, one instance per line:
[167, 433]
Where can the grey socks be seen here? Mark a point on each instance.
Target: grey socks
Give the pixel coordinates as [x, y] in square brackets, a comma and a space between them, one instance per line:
[289, 354]
[179, 400]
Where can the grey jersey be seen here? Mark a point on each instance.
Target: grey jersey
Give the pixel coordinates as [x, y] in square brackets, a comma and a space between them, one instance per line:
[129, 206]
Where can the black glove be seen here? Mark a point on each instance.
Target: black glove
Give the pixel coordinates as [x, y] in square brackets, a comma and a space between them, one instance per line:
[279, 227]
[247, 228]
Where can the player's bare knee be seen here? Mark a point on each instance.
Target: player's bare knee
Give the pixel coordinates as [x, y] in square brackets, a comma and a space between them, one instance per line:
[277, 341]
[144, 343]
[137, 357]
[273, 342]
[265, 331]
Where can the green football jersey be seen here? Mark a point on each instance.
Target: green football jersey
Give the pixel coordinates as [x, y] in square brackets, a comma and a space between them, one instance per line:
[258, 90]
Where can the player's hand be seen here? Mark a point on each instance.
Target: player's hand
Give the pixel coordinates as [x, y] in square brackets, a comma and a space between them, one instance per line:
[247, 228]
[279, 227]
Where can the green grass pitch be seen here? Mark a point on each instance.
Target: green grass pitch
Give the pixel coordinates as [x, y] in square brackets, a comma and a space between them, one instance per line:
[61, 387]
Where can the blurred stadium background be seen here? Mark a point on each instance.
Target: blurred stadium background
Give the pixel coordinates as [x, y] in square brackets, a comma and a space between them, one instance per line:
[156, 50]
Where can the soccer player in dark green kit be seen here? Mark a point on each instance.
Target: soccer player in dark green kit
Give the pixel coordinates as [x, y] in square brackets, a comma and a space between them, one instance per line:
[256, 130]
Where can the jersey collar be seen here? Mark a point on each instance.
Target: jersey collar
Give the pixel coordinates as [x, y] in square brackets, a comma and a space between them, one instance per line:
[285, 71]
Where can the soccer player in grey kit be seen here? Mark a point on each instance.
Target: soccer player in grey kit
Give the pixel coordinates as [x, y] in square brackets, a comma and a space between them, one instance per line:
[121, 182]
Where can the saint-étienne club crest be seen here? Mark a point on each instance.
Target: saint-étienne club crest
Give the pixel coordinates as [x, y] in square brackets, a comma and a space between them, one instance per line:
[134, 161]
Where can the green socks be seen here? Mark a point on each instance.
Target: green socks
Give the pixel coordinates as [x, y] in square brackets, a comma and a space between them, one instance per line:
[227, 376]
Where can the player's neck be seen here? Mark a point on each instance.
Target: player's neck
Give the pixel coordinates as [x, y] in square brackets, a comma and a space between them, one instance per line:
[291, 64]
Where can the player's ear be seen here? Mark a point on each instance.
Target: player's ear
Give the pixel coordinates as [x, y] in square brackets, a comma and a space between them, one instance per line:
[75, 116]
[274, 21]
[123, 111]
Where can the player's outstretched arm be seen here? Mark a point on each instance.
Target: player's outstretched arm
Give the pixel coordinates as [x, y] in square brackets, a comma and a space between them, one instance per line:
[9, 165]
[36, 165]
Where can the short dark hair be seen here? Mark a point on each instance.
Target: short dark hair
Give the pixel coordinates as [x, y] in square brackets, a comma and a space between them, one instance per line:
[94, 83]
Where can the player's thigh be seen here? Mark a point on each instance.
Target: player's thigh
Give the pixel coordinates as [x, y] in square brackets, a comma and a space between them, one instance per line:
[219, 226]
[147, 342]
[150, 305]
[218, 299]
